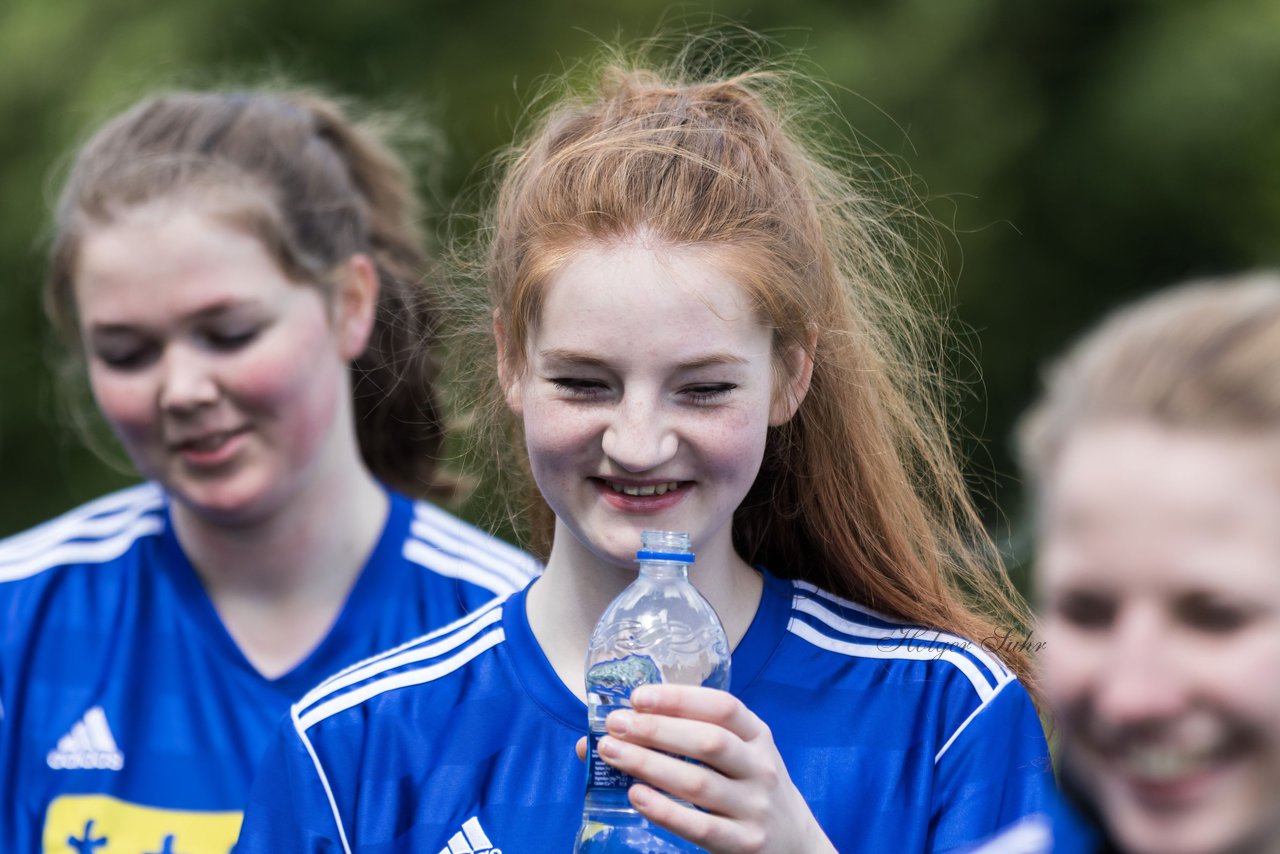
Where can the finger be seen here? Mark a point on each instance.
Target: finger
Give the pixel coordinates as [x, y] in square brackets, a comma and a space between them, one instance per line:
[704, 742]
[581, 749]
[689, 781]
[711, 832]
[697, 703]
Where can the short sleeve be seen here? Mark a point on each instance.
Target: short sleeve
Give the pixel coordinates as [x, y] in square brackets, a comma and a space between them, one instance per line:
[993, 771]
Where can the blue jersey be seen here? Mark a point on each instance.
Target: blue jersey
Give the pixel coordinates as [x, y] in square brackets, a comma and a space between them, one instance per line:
[130, 721]
[1058, 830]
[463, 741]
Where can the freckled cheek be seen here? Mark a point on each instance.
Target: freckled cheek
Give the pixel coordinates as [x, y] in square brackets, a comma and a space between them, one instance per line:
[557, 437]
[732, 443]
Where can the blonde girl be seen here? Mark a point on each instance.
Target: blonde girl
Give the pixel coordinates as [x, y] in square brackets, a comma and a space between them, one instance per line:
[240, 276]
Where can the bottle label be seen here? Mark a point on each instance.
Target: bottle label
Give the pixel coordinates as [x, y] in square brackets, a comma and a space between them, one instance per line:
[601, 776]
[615, 679]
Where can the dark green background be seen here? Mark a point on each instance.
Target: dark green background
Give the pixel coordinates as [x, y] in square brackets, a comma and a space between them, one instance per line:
[1081, 152]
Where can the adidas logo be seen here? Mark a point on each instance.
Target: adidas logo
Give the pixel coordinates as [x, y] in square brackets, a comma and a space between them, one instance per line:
[88, 745]
[470, 840]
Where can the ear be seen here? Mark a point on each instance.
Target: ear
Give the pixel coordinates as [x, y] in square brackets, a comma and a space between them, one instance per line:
[797, 365]
[511, 388]
[355, 303]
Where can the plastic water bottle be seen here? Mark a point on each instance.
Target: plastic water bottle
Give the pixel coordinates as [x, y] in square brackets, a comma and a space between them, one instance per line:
[659, 629]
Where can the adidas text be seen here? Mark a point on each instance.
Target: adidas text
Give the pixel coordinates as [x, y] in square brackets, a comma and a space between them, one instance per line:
[89, 745]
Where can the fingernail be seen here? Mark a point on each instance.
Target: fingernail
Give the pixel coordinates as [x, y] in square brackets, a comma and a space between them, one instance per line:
[644, 696]
[608, 747]
[619, 721]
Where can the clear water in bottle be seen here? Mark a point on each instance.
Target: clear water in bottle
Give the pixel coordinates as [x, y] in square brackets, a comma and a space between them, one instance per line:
[659, 629]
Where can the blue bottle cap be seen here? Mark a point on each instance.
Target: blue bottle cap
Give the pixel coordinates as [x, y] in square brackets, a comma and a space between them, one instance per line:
[670, 557]
[671, 546]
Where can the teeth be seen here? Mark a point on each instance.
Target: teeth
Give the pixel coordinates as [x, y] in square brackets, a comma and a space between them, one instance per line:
[1163, 764]
[208, 443]
[648, 489]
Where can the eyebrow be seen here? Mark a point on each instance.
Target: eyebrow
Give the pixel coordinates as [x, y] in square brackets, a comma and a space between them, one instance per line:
[578, 357]
[210, 312]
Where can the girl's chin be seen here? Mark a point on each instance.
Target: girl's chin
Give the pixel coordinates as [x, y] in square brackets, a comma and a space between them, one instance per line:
[622, 559]
[1157, 835]
[608, 551]
[230, 502]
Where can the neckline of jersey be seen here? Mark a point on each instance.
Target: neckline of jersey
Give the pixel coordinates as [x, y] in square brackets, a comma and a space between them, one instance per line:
[333, 650]
[538, 679]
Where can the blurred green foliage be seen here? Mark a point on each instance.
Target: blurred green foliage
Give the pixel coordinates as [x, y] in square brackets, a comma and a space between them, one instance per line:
[1080, 151]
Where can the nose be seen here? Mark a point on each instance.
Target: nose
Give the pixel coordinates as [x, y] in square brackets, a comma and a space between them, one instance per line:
[187, 381]
[638, 437]
[1140, 680]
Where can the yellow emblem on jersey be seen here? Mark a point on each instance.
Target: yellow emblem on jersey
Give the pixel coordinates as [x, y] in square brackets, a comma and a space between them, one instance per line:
[98, 824]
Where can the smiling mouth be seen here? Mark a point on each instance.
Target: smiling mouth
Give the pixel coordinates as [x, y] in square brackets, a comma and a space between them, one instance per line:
[1162, 768]
[642, 490]
[1159, 765]
[207, 443]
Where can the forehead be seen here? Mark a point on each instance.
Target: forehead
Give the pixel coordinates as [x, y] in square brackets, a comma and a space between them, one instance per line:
[158, 258]
[1138, 504]
[633, 290]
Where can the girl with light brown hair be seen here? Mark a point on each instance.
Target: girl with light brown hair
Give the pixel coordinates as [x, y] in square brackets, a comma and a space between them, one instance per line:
[241, 277]
[697, 323]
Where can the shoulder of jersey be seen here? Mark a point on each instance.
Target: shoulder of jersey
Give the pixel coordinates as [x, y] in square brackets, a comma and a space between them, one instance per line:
[94, 533]
[426, 659]
[451, 547]
[847, 628]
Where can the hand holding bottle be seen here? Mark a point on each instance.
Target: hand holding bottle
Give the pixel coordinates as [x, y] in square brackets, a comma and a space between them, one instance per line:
[659, 629]
[742, 783]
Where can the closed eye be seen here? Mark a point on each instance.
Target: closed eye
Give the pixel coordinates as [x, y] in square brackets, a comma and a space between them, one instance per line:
[1085, 610]
[580, 388]
[125, 356]
[1203, 612]
[705, 393]
[230, 340]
